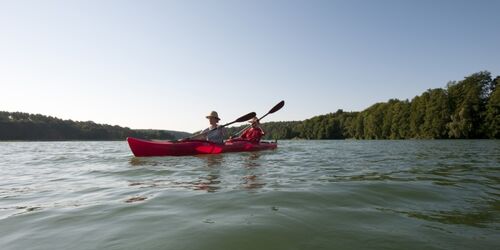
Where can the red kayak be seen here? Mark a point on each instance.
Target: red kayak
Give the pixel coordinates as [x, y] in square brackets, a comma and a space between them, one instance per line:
[142, 147]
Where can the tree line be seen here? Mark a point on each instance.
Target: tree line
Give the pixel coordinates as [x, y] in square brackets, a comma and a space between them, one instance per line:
[466, 109]
[25, 126]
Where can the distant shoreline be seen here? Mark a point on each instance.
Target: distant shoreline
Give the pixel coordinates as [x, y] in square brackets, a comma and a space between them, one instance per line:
[466, 109]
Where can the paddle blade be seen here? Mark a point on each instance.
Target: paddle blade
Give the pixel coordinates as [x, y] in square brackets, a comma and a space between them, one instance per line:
[242, 119]
[246, 117]
[277, 107]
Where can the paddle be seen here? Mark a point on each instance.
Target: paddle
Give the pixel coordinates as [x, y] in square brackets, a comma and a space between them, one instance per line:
[241, 119]
[274, 109]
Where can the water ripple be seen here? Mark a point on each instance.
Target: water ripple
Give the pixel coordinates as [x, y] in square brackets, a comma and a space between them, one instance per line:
[305, 195]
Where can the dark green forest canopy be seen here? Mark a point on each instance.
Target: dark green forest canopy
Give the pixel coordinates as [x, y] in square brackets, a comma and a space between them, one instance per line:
[24, 126]
[466, 109]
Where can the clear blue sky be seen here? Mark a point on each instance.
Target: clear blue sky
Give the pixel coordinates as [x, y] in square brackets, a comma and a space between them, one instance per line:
[166, 64]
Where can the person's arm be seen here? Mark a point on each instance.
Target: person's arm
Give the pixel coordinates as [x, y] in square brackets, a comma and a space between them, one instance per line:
[223, 132]
[245, 134]
[201, 136]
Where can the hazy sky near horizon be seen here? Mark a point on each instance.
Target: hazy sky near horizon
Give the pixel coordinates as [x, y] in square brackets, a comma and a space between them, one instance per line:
[167, 64]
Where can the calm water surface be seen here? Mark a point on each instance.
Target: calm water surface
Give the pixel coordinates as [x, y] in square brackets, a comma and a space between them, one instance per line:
[305, 195]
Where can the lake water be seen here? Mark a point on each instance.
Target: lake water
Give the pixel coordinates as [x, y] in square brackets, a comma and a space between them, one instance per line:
[304, 195]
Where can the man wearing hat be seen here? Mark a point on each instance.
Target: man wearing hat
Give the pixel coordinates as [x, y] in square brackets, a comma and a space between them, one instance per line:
[213, 133]
[254, 133]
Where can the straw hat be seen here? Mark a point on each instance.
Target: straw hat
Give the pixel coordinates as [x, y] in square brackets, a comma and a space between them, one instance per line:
[213, 114]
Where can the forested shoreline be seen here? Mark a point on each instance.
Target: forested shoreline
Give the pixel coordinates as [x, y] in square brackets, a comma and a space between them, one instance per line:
[35, 127]
[466, 109]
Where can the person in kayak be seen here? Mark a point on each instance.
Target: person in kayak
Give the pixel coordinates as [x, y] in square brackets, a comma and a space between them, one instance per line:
[254, 133]
[213, 133]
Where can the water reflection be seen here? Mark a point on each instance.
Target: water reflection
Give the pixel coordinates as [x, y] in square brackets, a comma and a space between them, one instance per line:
[136, 161]
[252, 160]
[212, 161]
[211, 181]
[149, 161]
[209, 173]
[252, 179]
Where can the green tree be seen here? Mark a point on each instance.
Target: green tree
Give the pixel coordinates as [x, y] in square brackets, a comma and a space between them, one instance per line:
[437, 114]
[400, 127]
[374, 121]
[492, 113]
[417, 114]
[468, 100]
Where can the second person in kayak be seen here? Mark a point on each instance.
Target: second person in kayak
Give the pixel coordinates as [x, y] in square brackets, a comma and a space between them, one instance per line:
[254, 133]
[213, 133]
